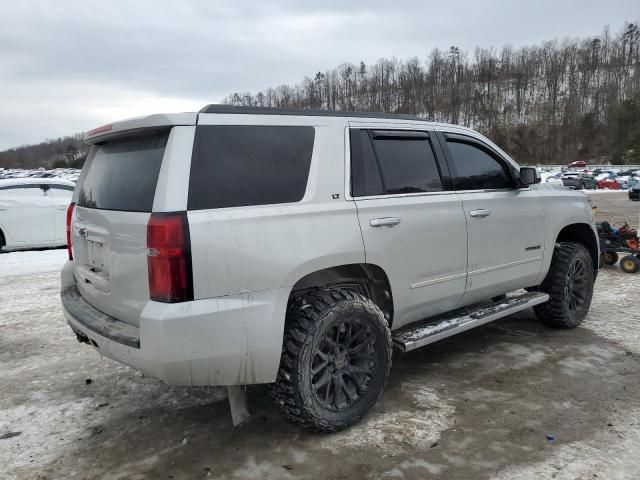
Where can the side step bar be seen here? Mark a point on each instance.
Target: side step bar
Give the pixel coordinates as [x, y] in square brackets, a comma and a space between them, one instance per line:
[434, 329]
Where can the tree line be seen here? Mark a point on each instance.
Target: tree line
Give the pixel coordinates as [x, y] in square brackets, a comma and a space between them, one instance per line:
[551, 103]
[61, 152]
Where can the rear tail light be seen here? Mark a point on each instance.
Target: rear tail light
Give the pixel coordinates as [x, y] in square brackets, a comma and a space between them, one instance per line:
[169, 258]
[69, 217]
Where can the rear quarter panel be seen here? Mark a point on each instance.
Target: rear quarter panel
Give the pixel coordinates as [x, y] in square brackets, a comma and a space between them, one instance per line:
[249, 249]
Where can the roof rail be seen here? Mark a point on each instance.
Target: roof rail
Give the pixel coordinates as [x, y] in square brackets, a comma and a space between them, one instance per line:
[233, 109]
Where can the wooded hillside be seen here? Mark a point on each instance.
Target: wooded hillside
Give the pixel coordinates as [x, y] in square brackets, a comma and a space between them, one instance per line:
[553, 103]
[560, 101]
[62, 152]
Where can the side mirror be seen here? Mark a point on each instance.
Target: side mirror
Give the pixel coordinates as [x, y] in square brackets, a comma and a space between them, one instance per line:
[528, 176]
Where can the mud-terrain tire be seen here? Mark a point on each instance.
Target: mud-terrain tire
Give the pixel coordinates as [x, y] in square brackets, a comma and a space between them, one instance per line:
[629, 264]
[569, 284]
[610, 258]
[336, 358]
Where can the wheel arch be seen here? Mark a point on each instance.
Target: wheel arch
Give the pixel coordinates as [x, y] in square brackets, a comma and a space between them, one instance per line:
[365, 278]
[3, 239]
[583, 234]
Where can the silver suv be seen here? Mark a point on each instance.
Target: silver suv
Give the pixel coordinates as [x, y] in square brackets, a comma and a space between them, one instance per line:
[241, 246]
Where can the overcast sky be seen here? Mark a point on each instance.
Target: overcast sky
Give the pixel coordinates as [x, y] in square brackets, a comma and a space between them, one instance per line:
[68, 66]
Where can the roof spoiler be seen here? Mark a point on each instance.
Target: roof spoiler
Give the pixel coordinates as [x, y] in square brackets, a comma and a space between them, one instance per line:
[105, 132]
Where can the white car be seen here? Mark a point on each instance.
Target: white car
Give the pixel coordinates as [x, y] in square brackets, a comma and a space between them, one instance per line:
[33, 212]
[550, 177]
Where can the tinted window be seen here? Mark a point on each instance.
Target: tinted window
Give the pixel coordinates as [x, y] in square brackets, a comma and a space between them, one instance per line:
[235, 166]
[407, 165]
[476, 169]
[122, 174]
[365, 176]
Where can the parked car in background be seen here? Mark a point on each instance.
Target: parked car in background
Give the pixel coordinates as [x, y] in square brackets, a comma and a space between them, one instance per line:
[634, 192]
[626, 181]
[550, 177]
[579, 181]
[608, 183]
[578, 164]
[33, 212]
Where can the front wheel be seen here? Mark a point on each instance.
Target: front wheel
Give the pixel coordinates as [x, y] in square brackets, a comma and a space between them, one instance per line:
[336, 358]
[569, 284]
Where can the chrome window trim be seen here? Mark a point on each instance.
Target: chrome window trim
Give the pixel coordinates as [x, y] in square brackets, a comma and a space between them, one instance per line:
[428, 194]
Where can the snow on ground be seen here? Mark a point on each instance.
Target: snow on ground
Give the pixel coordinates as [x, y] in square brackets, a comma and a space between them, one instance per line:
[35, 261]
[66, 173]
[611, 452]
[468, 407]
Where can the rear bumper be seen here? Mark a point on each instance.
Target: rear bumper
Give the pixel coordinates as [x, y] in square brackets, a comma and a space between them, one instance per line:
[234, 340]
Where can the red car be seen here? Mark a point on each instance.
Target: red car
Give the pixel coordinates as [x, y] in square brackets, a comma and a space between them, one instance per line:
[577, 164]
[608, 183]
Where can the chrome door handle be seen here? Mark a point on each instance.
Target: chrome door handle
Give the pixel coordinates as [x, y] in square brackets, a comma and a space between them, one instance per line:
[480, 213]
[384, 222]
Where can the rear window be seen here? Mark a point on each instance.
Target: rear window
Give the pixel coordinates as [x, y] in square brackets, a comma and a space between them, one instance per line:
[242, 165]
[122, 174]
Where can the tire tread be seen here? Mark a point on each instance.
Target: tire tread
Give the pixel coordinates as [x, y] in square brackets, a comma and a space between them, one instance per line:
[303, 315]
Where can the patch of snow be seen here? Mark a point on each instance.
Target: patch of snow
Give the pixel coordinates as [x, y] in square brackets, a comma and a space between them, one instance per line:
[610, 454]
[30, 262]
[390, 429]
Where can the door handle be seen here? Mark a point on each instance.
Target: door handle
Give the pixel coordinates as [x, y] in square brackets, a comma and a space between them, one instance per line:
[384, 222]
[481, 212]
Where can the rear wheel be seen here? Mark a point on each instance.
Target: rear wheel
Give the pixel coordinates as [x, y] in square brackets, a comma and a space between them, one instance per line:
[569, 284]
[335, 361]
[630, 264]
[610, 258]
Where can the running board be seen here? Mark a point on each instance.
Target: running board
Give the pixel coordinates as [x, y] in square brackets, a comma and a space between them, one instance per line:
[434, 329]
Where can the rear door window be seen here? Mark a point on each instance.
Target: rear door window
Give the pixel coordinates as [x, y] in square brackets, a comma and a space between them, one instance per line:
[392, 162]
[122, 174]
[243, 165]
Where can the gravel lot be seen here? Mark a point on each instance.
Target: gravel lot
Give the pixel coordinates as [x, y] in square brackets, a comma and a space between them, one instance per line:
[511, 400]
[615, 207]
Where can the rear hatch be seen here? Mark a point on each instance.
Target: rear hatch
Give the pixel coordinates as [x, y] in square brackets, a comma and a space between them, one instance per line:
[114, 200]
